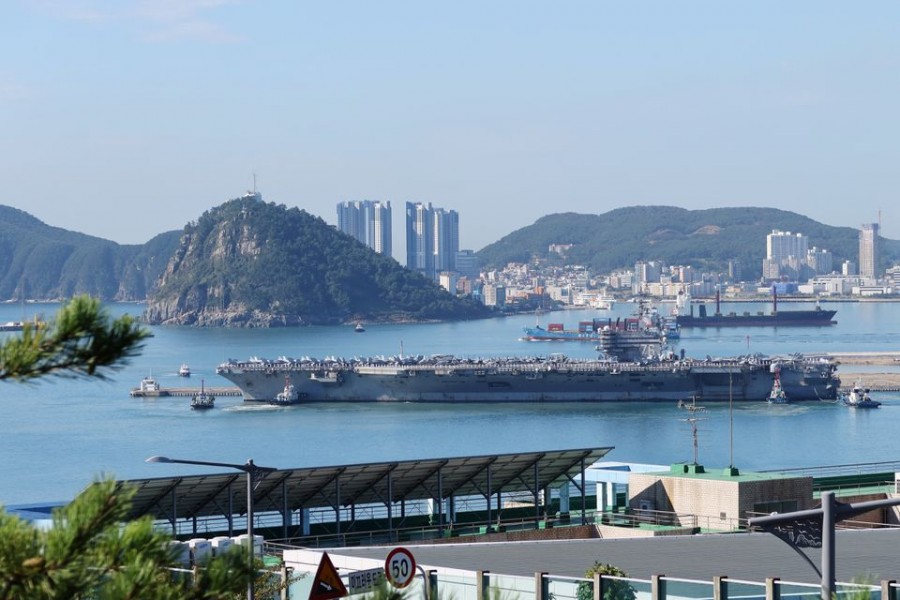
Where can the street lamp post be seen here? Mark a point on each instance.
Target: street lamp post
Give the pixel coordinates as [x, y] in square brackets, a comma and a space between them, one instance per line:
[252, 471]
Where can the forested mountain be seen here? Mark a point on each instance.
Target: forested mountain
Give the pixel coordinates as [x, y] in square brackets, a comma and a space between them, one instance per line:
[256, 264]
[53, 263]
[706, 239]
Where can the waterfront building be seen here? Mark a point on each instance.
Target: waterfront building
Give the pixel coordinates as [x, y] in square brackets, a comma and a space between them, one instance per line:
[494, 295]
[786, 254]
[820, 261]
[848, 268]
[868, 251]
[734, 270]
[645, 272]
[771, 270]
[369, 222]
[467, 264]
[448, 280]
[893, 277]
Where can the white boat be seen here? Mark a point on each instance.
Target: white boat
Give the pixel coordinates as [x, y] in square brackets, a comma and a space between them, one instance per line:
[359, 328]
[184, 371]
[203, 400]
[149, 385]
[859, 398]
[603, 302]
[287, 396]
[12, 326]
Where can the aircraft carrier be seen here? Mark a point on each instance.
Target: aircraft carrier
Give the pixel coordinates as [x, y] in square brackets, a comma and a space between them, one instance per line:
[448, 379]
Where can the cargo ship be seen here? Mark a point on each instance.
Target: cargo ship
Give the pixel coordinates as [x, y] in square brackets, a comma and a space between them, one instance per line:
[645, 319]
[628, 370]
[787, 318]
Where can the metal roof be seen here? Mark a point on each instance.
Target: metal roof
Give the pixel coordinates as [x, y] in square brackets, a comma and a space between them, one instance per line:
[292, 489]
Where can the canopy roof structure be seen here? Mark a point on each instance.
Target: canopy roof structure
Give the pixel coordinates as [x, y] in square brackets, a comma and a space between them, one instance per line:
[286, 491]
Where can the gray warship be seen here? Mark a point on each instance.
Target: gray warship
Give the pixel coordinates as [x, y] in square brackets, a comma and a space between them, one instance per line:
[632, 366]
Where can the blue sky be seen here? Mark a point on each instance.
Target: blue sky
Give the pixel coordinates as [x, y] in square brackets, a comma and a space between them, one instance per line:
[126, 118]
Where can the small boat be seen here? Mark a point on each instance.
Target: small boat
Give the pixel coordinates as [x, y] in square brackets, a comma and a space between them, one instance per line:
[287, 396]
[359, 328]
[777, 395]
[184, 371]
[37, 323]
[203, 400]
[859, 398]
[149, 385]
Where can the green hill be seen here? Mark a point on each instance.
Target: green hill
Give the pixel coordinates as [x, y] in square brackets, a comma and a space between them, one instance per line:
[53, 263]
[706, 239]
[257, 264]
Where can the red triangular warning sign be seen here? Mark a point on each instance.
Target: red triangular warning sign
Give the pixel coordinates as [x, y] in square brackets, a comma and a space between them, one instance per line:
[327, 585]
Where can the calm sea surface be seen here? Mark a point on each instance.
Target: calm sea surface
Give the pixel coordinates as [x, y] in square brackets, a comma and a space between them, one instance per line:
[56, 436]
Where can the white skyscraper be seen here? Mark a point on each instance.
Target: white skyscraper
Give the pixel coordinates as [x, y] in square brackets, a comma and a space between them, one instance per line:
[432, 239]
[868, 250]
[368, 221]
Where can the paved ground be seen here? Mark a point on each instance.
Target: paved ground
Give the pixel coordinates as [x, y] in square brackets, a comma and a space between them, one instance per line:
[870, 554]
[887, 380]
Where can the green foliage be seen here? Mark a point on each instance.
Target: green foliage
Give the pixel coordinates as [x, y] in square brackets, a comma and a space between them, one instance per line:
[90, 554]
[613, 589]
[56, 263]
[707, 239]
[82, 341]
[255, 256]
[384, 591]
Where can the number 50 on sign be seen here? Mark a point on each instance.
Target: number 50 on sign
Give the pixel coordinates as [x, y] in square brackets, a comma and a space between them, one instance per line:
[400, 567]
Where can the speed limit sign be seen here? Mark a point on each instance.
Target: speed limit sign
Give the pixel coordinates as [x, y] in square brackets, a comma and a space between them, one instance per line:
[400, 567]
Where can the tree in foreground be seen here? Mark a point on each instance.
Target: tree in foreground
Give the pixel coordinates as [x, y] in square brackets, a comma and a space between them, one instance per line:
[81, 341]
[93, 552]
[616, 588]
[90, 554]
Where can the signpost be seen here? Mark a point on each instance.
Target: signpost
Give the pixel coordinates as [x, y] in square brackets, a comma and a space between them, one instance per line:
[327, 585]
[363, 581]
[400, 567]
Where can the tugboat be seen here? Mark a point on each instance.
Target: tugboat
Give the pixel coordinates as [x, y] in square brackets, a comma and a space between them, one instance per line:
[287, 396]
[859, 398]
[202, 401]
[777, 395]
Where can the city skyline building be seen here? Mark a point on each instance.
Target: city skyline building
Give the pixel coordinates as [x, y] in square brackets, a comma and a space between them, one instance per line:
[432, 239]
[368, 221]
[868, 251]
[786, 255]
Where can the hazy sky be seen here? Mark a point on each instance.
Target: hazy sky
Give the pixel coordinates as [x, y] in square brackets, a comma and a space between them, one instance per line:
[126, 118]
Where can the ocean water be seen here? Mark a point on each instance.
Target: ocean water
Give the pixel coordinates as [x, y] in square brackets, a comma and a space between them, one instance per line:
[57, 435]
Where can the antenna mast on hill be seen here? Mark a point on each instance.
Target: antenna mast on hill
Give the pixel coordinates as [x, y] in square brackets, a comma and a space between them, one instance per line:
[695, 412]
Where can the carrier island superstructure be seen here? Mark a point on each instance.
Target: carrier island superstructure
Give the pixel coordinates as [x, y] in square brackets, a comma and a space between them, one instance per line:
[627, 371]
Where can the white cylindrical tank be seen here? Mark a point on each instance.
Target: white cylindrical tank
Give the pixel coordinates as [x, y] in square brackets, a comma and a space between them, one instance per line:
[243, 540]
[181, 552]
[220, 544]
[201, 550]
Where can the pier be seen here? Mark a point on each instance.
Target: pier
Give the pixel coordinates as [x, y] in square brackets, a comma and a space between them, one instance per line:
[184, 391]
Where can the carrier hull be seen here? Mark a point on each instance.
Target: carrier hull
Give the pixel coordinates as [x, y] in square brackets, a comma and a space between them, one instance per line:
[537, 380]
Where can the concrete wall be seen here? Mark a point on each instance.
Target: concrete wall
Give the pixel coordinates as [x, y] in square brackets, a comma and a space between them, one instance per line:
[717, 502]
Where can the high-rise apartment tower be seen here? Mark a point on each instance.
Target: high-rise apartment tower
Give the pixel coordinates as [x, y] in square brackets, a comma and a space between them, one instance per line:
[432, 239]
[868, 251]
[368, 221]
